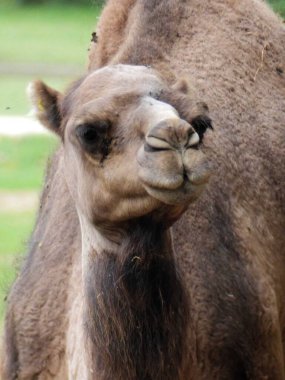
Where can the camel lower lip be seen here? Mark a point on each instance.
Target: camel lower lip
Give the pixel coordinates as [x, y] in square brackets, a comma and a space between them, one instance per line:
[168, 185]
[186, 193]
[182, 182]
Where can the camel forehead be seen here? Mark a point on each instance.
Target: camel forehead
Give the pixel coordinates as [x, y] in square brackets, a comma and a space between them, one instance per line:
[127, 72]
[120, 79]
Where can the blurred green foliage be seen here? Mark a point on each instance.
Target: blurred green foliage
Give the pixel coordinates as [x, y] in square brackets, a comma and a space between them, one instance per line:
[22, 161]
[80, 2]
[56, 35]
[278, 6]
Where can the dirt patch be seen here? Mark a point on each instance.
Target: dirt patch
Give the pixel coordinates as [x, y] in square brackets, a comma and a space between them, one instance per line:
[18, 201]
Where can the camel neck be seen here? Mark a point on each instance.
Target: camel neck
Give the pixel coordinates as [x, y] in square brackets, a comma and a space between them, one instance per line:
[136, 308]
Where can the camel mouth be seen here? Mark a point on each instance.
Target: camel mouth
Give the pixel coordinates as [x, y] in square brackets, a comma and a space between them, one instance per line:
[173, 177]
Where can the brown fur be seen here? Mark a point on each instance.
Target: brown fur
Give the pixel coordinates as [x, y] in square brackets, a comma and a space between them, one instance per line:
[149, 291]
[229, 245]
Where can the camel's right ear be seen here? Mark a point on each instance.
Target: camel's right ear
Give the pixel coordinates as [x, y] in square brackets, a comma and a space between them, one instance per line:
[45, 102]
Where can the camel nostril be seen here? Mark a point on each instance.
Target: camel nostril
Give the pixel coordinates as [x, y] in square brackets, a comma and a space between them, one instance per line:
[193, 140]
[174, 134]
[201, 124]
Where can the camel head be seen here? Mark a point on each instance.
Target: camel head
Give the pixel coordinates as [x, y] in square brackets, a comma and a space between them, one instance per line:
[130, 146]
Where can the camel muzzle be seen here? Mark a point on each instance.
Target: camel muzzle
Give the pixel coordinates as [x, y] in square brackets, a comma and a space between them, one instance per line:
[172, 168]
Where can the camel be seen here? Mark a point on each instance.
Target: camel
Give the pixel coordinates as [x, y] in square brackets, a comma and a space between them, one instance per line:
[158, 250]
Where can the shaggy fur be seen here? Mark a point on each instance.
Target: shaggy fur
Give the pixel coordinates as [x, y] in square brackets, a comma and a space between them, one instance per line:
[229, 245]
[142, 280]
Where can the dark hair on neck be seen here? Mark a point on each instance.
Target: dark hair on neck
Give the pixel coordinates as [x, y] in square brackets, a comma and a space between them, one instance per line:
[137, 311]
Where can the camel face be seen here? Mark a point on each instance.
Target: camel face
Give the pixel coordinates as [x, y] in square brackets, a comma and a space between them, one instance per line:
[127, 153]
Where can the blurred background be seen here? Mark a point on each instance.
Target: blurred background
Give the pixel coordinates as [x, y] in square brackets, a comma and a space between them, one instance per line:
[38, 39]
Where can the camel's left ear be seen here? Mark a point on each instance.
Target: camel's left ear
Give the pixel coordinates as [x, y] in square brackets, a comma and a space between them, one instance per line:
[46, 102]
[182, 85]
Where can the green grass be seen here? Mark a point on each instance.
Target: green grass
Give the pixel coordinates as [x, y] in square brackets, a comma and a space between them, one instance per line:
[49, 34]
[14, 229]
[22, 161]
[13, 97]
[278, 6]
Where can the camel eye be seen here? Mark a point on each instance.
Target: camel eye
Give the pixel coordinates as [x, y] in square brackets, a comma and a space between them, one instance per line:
[91, 136]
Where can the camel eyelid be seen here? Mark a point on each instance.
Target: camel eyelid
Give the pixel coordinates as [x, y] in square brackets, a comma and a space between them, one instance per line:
[92, 129]
[93, 137]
